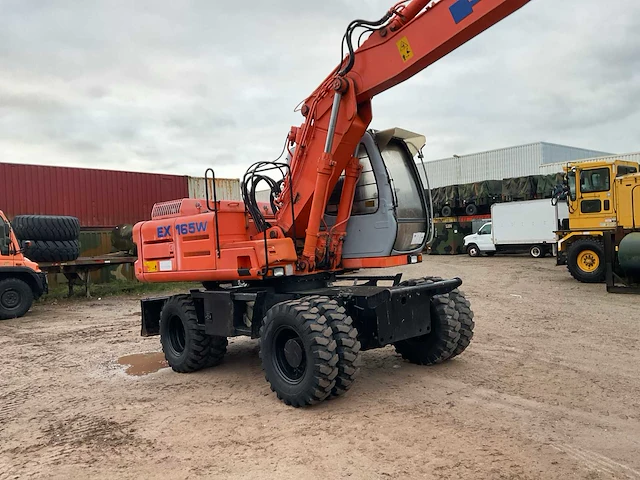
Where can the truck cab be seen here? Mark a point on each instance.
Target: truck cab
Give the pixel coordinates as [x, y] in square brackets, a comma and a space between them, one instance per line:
[601, 196]
[480, 242]
[21, 280]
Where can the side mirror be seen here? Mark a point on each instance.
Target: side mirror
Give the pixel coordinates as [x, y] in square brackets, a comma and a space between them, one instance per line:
[26, 244]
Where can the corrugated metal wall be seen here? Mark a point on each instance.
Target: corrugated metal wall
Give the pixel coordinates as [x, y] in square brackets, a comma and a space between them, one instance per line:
[557, 167]
[99, 198]
[226, 188]
[518, 161]
[553, 153]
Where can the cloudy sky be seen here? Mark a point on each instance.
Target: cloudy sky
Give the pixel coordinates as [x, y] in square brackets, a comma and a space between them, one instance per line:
[174, 87]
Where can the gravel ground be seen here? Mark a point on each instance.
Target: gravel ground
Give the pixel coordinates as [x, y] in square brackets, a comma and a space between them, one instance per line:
[549, 388]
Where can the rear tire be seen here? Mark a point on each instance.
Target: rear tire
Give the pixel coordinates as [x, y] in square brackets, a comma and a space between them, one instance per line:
[16, 298]
[46, 227]
[471, 209]
[585, 261]
[446, 211]
[536, 251]
[186, 347]
[445, 339]
[473, 250]
[298, 352]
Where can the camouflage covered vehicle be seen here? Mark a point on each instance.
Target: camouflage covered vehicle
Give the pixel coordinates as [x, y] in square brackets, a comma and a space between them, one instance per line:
[478, 197]
[449, 236]
[547, 184]
[519, 188]
[445, 200]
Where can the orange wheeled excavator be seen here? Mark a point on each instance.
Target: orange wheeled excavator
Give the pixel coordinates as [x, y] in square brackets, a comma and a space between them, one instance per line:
[349, 198]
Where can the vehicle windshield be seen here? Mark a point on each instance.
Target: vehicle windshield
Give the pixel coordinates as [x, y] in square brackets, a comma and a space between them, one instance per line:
[571, 180]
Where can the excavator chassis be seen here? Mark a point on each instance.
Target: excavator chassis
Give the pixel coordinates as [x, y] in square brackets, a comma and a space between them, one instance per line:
[311, 329]
[382, 315]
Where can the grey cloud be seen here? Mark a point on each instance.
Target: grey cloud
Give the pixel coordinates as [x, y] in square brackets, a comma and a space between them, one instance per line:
[176, 87]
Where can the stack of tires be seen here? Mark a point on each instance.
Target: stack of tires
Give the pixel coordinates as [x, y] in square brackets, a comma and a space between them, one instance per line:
[53, 238]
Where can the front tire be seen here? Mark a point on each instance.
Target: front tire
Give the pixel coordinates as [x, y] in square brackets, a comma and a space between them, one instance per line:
[16, 298]
[298, 352]
[186, 347]
[585, 261]
[473, 250]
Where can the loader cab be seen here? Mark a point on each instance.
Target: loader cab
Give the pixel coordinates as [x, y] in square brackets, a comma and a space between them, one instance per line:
[5, 239]
[591, 192]
[389, 214]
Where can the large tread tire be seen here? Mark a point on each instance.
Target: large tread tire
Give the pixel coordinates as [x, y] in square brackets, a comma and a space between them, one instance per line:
[52, 251]
[582, 245]
[46, 227]
[312, 380]
[451, 329]
[346, 337]
[185, 345]
[16, 298]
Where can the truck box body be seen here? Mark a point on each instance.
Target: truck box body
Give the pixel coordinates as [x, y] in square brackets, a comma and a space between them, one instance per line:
[526, 223]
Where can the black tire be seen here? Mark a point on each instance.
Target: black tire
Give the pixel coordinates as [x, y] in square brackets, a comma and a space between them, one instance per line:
[185, 345]
[298, 353]
[471, 209]
[536, 251]
[16, 298]
[445, 340]
[473, 250]
[446, 211]
[346, 337]
[52, 251]
[582, 257]
[465, 317]
[46, 227]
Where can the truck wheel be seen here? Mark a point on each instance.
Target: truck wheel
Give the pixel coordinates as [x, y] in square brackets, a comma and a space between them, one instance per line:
[585, 261]
[46, 227]
[471, 209]
[465, 316]
[536, 251]
[186, 347]
[473, 250]
[444, 339]
[446, 211]
[346, 337]
[16, 298]
[298, 353]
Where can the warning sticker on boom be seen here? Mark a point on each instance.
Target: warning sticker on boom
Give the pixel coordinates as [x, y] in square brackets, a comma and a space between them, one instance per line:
[405, 49]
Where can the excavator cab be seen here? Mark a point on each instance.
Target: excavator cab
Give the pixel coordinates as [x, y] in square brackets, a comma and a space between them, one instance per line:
[390, 214]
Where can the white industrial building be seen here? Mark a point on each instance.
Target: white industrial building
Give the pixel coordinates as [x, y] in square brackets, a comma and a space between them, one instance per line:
[509, 162]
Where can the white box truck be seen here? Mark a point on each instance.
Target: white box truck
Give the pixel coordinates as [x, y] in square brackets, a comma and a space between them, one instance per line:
[517, 227]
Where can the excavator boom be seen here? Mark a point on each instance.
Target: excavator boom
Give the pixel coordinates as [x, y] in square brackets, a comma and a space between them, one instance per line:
[405, 41]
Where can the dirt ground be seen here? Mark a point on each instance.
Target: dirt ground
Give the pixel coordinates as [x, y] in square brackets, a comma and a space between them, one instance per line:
[549, 388]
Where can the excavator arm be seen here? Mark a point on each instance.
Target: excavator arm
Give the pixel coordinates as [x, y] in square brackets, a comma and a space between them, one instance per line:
[407, 39]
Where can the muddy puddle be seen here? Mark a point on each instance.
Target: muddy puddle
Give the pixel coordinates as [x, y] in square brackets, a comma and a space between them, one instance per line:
[140, 364]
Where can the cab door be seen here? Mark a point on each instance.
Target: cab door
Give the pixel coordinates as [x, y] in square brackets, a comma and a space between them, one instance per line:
[595, 199]
[6, 259]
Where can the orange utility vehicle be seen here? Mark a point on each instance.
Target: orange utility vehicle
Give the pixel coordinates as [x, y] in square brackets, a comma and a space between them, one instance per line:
[21, 280]
[349, 198]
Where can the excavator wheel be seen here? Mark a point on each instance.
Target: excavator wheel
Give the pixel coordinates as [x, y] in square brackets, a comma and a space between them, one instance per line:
[186, 347]
[451, 328]
[346, 337]
[298, 352]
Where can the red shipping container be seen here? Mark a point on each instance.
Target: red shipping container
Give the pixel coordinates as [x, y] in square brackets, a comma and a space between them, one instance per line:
[99, 198]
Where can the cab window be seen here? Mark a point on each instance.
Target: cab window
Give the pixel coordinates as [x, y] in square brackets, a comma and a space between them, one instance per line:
[595, 180]
[485, 230]
[365, 199]
[625, 170]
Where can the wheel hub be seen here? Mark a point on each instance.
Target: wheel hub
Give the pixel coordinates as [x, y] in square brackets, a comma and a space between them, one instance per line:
[588, 261]
[293, 352]
[10, 299]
